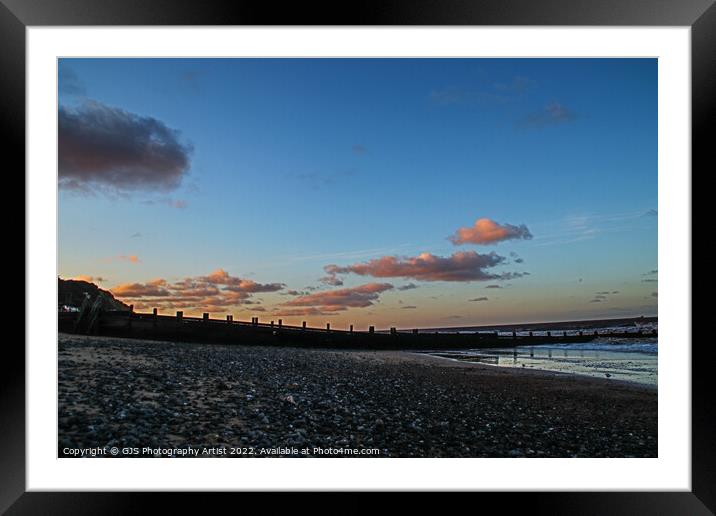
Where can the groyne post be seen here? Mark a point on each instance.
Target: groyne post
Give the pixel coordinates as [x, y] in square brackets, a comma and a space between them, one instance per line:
[371, 329]
[280, 323]
[351, 329]
[303, 325]
[393, 331]
[205, 317]
[328, 326]
[180, 316]
[415, 331]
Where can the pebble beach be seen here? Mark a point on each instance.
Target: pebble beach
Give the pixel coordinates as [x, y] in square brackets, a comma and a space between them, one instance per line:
[153, 399]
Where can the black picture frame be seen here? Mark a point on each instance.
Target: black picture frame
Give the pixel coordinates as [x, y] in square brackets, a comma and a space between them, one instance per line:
[700, 15]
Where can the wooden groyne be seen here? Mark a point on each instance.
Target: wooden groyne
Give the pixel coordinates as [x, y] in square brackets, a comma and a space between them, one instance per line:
[91, 319]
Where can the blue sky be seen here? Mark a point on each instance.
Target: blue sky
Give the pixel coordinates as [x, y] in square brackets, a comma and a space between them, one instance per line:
[272, 169]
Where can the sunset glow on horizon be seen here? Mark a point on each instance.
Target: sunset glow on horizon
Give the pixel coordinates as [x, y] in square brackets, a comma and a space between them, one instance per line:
[410, 193]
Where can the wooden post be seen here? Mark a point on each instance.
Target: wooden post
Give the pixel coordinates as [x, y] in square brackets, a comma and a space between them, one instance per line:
[581, 333]
[371, 329]
[549, 333]
[280, 323]
[596, 333]
[154, 316]
[131, 309]
[564, 334]
[415, 331]
[303, 325]
[514, 334]
[271, 324]
[531, 335]
[229, 318]
[393, 331]
[328, 326]
[180, 316]
[255, 321]
[205, 317]
[351, 330]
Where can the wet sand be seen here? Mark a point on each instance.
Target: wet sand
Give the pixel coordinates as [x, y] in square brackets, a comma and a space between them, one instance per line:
[161, 395]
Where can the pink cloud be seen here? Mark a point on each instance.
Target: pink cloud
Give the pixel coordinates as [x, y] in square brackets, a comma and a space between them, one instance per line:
[132, 258]
[461, 266]
[214, 292]
[341, 299]
[487, 231]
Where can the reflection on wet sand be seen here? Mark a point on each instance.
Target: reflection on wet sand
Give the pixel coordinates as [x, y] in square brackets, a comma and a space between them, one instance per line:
[618, 364]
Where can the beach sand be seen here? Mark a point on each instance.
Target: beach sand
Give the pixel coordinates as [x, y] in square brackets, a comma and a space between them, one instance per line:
[160, 395]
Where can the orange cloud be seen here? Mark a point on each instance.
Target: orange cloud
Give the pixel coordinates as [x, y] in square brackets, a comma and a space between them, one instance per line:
[132, 258]
[461, 266]
[137, 290]
[337, 300]
[89, 279]
[214, 292]
[487, 231]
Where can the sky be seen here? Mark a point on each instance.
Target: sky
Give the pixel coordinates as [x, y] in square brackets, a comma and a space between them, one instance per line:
[386, 192]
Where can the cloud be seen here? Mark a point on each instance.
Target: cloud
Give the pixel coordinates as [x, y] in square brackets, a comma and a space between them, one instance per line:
[178, 204]
[214, 292]
[478, 299]
[498, 93]
[649, 280]
[408, 307]
[234, 284]
[140, 290]
[359, 149]
[331, 279]
[409, 286]
[461, 266]
[132, 258]
[516, 85]
[651, 272]
[341, 299]
[319, 180]
[493, 286]
[68, 83]
[104, 148]
[595, 300]
[553, 113]
[487, 231]
[651, 213]
[135, 235]
[298, 312]
[654, 294]
[89, 279]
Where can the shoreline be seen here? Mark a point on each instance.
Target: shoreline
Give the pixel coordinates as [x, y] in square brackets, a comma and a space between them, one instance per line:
[133, 393]
[548, 372]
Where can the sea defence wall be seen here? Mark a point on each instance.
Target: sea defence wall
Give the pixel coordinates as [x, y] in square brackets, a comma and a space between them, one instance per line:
[179, 328]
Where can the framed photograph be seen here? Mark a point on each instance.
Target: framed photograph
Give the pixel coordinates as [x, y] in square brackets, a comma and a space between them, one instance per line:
[428, 247]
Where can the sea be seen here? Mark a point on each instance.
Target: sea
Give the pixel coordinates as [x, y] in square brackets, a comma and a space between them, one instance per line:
[632, 359]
